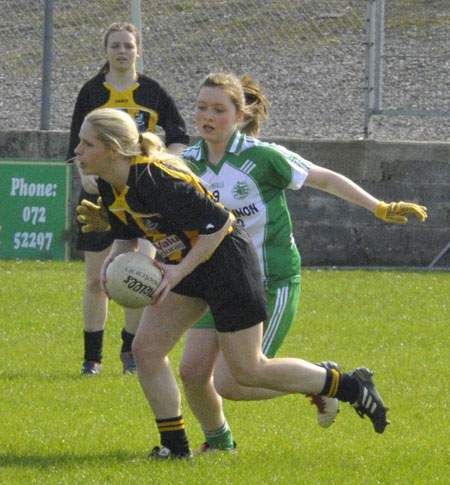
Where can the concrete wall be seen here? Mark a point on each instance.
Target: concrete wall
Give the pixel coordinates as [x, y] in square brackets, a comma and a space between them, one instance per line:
[329, 231]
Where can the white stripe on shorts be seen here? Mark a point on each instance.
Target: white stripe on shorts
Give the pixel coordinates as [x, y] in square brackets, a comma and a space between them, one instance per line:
[275, 320]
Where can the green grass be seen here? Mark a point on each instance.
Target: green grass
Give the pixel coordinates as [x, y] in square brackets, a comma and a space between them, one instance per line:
[59, 428]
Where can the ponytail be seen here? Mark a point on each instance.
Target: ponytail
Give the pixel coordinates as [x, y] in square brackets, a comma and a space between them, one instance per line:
[256, 106]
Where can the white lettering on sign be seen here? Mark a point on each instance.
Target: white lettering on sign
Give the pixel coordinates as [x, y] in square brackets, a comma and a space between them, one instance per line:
[34, 215]
[21, 188]
[33, 240]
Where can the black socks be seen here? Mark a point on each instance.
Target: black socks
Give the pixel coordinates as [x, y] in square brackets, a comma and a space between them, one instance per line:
[93, 346]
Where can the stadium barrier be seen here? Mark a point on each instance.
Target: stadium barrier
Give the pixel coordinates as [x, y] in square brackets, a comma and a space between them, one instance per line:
[329, 231]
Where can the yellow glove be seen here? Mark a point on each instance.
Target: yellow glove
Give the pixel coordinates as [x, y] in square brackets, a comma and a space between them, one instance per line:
[94, 217]
[396, 211]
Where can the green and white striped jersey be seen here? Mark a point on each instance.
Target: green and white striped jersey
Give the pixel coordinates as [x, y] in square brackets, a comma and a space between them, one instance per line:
[250, 181]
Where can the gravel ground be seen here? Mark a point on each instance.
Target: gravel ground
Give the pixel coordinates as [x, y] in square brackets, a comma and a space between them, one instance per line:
[314, 78]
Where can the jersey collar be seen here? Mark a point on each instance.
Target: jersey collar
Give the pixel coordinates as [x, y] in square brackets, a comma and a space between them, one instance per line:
[233, 147]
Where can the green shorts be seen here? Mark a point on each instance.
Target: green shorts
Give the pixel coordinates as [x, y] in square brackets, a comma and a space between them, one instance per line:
[282, 304]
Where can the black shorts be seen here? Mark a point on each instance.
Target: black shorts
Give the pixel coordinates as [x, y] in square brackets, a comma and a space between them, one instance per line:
[92, 241]
[231, 283]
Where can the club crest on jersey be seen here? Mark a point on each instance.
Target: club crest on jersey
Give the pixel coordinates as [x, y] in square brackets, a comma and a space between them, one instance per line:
[139, 119]
[240, 190]
[151, 223]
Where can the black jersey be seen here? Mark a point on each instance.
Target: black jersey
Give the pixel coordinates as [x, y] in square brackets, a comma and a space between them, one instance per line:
[164, 205]
[147, 102]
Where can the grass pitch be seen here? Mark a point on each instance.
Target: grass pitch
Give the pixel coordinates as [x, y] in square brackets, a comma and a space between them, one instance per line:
[60, 428]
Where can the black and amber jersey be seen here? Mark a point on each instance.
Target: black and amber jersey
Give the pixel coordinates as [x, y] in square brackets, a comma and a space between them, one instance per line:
[147, 102]
[168, 207]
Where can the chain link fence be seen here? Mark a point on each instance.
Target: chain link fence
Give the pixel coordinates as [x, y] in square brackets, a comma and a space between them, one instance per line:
[417, 56]
[309, 56]
[415, 66]
[77, 55]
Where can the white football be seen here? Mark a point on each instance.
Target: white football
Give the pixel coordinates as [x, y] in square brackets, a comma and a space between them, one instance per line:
[131, 279]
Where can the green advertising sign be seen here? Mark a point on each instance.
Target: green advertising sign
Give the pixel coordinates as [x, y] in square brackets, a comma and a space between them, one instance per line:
[34, 209]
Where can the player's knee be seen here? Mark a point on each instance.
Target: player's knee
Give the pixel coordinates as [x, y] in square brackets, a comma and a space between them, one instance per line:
[146, 355]
[93, 284]
[245, 376]
[227, 388]
[137, 349]
[192, 374]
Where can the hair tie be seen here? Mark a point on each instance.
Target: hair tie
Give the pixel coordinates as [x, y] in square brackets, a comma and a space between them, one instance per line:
[140, 138]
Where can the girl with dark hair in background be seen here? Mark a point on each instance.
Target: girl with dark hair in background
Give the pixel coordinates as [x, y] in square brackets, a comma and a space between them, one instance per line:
[117, 85]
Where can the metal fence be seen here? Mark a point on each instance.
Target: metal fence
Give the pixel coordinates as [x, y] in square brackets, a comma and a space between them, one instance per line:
[309, 55]
[408, 64]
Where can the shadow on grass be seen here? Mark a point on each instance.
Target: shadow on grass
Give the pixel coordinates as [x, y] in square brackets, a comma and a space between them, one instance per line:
[57, 376]
[48, 461]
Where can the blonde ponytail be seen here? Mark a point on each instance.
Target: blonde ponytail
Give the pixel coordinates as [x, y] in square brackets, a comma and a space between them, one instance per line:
[118, 131]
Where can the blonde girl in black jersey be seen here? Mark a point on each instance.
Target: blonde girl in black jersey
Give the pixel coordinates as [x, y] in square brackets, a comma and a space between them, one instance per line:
[117, 85]
[217, 267]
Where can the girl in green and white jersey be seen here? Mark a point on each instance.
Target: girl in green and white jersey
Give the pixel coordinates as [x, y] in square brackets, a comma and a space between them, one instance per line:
[249, 177]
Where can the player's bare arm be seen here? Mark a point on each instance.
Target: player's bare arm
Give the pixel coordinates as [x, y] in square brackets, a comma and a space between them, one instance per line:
[337, 184]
